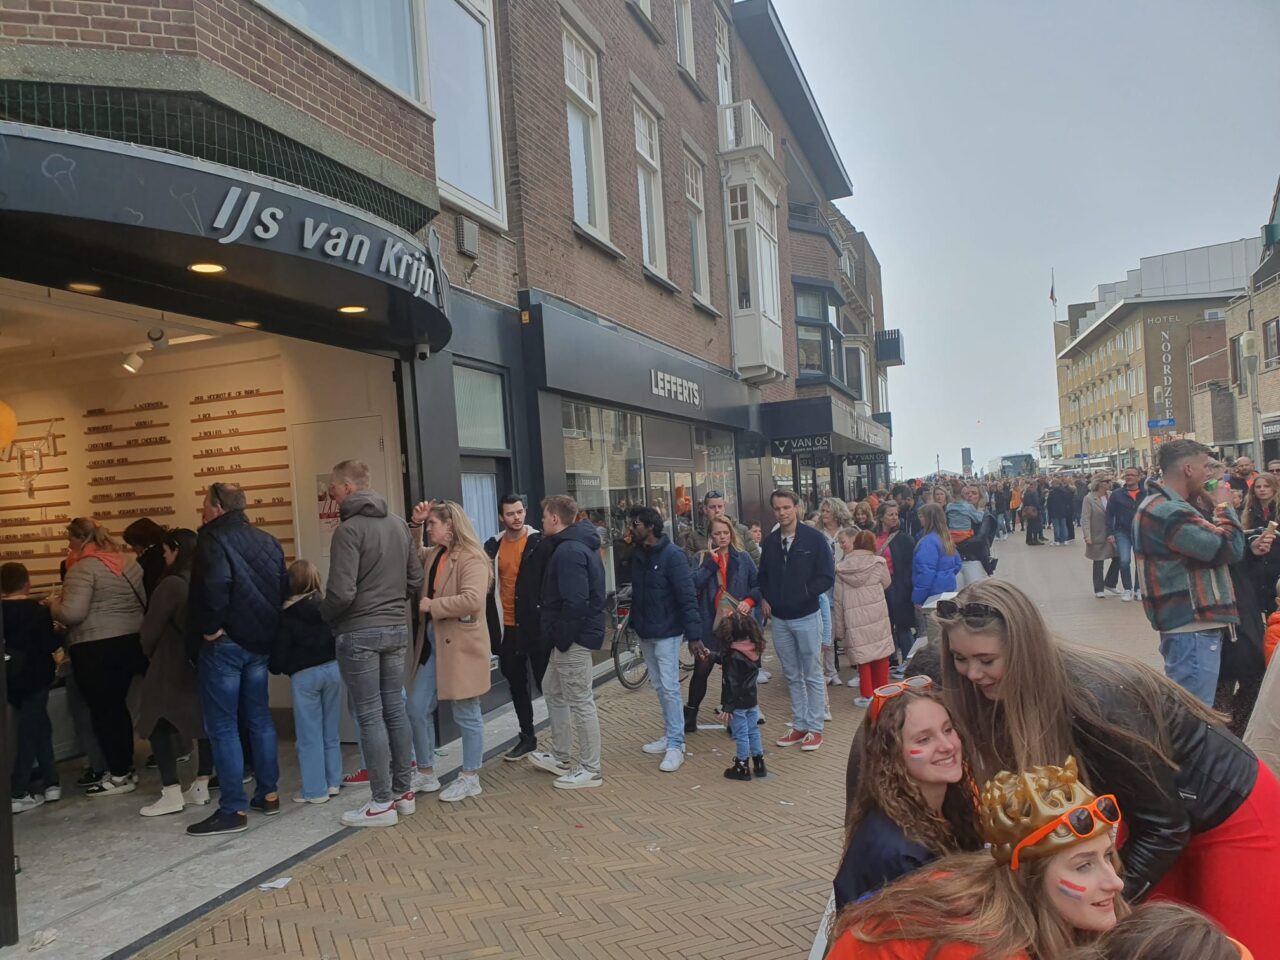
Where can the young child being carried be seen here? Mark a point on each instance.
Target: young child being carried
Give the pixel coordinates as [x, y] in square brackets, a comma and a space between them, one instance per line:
[740, 646]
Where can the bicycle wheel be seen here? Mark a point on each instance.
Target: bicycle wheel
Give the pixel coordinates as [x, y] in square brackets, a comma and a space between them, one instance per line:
[628, 661]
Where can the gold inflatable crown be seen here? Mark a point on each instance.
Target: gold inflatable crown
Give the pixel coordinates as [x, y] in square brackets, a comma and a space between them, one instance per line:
[1015, 805]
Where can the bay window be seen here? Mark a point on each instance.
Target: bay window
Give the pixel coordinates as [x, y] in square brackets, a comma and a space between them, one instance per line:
[586, 138]
[653, 241]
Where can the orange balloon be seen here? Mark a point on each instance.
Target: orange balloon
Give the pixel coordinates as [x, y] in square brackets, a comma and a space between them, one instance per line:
[8, 425]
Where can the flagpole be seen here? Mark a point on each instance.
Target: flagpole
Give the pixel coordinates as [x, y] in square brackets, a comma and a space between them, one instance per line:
[1053, 287]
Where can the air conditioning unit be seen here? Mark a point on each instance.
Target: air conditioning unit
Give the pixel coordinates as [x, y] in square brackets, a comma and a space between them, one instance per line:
[1215, 315]
[467, 232]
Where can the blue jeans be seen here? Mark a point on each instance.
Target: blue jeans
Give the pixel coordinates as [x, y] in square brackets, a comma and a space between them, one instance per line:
[662, 657]
[317, 709]
[824, 610]
[746, 733]
[372, 666]
[1192, 661]
[33, 744]
[798, 645]
[1124, 551]
[421, 708]
[1060, 532]
[466, 713]
[903, 639]
[233, 687]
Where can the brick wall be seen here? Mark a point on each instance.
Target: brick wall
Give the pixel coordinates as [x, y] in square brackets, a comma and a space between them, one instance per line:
[249, 42]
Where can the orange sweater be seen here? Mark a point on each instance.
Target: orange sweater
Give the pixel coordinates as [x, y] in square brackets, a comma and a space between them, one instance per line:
[1272, 639]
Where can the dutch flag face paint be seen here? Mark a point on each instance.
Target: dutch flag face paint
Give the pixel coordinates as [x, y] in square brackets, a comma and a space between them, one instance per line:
[915, 754]
[1071, 890]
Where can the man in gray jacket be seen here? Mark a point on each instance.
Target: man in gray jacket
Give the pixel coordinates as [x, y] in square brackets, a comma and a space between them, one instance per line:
[373, 572]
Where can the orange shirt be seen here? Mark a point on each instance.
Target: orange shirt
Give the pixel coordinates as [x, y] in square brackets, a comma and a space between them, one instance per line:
[849, 948]
[510, 552]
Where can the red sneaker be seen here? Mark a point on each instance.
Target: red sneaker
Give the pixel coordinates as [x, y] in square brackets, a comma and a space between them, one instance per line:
[358, 779]
[792, 738]
[811, 742]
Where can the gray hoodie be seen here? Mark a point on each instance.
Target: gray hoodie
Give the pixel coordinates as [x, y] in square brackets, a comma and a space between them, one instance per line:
[373, 568]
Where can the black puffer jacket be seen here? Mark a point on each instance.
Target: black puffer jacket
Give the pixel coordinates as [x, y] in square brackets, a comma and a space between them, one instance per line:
[573, 590]
[739, 675]
[304, 639]
[1162, 808]
[238, 583]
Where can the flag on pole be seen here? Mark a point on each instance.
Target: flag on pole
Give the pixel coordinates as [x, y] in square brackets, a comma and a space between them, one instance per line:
[1053, 296]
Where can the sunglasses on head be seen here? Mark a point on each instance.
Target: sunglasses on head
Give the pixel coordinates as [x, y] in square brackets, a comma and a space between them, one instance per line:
[713, 495]
[883, 695]
[1081, 821]
[950, 610]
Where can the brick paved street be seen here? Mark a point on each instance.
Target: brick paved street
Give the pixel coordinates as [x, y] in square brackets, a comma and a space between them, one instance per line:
[684, 865]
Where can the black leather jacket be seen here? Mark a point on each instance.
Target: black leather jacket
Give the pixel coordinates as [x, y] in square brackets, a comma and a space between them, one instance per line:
[1162, 808]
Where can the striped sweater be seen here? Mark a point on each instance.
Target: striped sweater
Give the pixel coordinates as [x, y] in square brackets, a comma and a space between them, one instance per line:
[1184, 560]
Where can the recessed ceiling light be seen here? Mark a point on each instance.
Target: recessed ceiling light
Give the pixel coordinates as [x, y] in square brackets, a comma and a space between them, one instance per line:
[81, 287]
[352, 309]
[206, 268]
[132, 362]
[248, 324]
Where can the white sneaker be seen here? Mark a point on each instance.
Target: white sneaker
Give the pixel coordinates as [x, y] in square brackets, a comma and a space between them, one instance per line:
[461, 788]
[1127, 596]
[854, 682]
[545, 760]
[656, 746]
[372, 815]
[425, 782]
[196, 795]
[1113, 591]
[52, 794]
[109, 786]
[1100, 595]
[406, 804]
[170, 802]
[862, 702]
[763, 676]
[672, 761]
[299, 798]
[578, 780]
[826, 714]
[29, 802]
[334, 791]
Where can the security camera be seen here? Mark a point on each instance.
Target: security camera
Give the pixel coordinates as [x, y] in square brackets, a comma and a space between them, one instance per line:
[422, 351]
[158, 338]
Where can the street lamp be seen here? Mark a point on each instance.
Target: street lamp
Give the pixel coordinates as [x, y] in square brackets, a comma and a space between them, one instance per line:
[1116, 419]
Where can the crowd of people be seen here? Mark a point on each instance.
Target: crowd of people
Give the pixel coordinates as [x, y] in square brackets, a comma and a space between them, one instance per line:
[1008, 796]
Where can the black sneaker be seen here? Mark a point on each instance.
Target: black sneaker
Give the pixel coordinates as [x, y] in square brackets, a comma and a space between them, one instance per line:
[90, 777]
[152, 762]
[757, 765]
[219, 822]
[269, 806]
[213, 782]
[523, 747]
[739, 771]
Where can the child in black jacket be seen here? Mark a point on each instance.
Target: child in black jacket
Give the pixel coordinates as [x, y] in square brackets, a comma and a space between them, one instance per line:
[29, 643]
[740, 646]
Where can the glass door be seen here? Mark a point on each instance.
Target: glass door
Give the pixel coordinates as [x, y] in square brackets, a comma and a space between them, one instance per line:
[671, 493]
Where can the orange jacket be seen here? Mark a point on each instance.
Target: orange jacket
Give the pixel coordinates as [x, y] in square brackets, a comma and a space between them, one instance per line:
[1272, 639]
[850, 948]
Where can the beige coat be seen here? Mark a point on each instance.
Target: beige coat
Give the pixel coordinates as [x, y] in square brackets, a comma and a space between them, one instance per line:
[1093, 525]
[859, 612]
[1263, 733]
[461, 631]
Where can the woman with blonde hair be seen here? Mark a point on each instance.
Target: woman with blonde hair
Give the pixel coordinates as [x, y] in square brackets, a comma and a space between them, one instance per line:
[1163, 931]
[833, 516]
[1097, 547]
[102, 603]
[452, 649]
[1204, 814]
[1049, 881]
[934, 566]
[864, 518]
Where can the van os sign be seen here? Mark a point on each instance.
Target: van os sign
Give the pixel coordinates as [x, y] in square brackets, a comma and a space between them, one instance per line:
[395, 259]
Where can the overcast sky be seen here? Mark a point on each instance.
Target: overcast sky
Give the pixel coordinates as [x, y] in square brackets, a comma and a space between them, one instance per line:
[990, 140]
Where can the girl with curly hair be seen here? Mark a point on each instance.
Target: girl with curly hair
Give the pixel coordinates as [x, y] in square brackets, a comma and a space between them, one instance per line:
[1047, 884]
[916, 798]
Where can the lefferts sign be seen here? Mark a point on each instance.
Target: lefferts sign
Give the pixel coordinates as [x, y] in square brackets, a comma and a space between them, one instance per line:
[789, 445]
[675, 388]
[394, 259]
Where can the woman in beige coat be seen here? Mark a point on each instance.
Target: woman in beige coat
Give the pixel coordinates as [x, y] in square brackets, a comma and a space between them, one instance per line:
[455, 635]
[1093, 524]
[859, 611]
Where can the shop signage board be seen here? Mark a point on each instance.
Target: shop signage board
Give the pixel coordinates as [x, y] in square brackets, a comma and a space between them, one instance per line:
[1160, 424]
[786, 446]
[869, 458]
[1271, 430]
[680, 389]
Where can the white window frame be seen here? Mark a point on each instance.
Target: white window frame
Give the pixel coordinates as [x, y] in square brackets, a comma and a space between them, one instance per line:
[765, 217]
[684, 35]
[695, 193]
[644, 7]
[724, 59]
[589, 102]
[495, 216]
[648, 141]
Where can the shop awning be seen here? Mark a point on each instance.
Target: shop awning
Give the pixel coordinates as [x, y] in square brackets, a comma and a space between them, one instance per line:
[128, 222]
[823, 423]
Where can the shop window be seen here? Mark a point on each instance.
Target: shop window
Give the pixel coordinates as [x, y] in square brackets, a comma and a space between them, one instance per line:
[684, 35]
[604, 472]
[464, 95]
[693, 178]
[1271, 343]
[482, 419]
[377, 36]
[586, 138]
[653, 241]
[716, 467]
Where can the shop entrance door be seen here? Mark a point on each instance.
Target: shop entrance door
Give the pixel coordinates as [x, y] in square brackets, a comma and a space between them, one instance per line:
[671, 493]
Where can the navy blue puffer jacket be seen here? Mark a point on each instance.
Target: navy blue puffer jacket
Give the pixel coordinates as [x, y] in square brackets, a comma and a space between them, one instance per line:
[573, 589]
[663, 603]
[238, 584]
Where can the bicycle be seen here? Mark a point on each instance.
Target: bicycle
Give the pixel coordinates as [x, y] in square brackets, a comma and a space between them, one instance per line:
[628, 661]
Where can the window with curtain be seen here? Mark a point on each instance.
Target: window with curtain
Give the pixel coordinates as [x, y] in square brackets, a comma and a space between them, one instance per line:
[481, 410]
[480, 503]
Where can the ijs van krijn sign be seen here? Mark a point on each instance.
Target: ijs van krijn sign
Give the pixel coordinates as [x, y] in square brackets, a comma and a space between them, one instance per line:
[394, 258]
